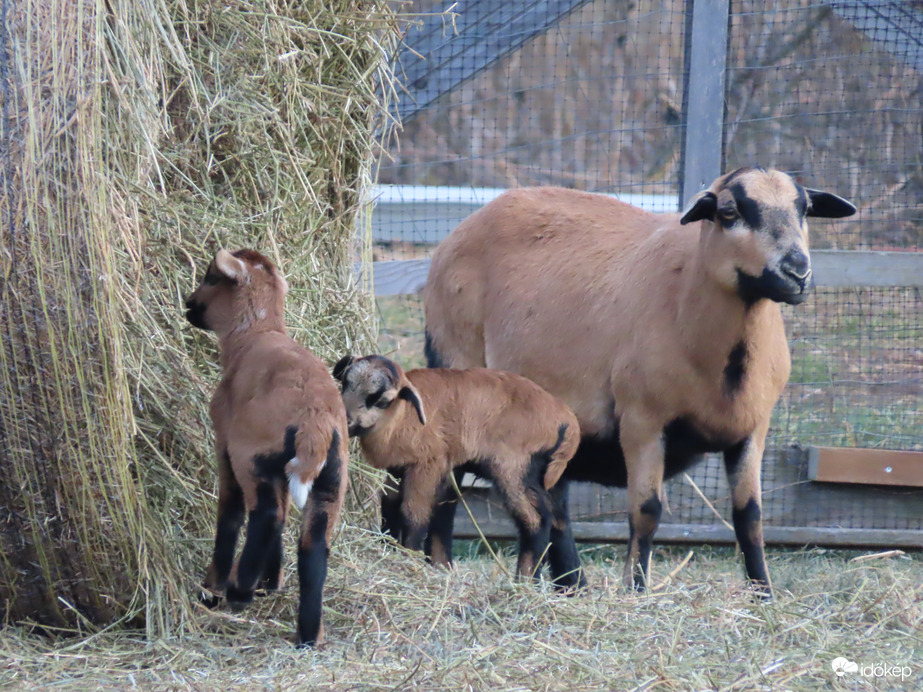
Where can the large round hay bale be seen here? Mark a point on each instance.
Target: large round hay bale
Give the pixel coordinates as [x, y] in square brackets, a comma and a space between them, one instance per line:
[137, 138]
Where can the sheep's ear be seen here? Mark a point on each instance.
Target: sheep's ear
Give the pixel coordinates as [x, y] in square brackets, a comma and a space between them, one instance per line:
[826, 205]
[701, 207]
[230, 266]
[409, 393]
[339, 370]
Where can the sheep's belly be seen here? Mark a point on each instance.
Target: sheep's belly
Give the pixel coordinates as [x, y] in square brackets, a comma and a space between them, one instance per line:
[599, 459]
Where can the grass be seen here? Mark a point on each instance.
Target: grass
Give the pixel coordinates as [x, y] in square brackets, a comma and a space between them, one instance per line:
[393, 622]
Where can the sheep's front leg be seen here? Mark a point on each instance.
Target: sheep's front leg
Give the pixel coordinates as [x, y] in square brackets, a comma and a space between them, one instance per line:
[392, 524]
[743, 463]
[230, 519]
[420, 485]
[438, 545]
[644, 449]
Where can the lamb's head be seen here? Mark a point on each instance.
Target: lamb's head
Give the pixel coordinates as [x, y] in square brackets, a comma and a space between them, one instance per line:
[239, 290]
[755, 233]
[370, 388]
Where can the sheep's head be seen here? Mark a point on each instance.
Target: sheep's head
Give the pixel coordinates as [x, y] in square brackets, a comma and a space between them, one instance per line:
[370, 387]
[755, 233]
[239, 289]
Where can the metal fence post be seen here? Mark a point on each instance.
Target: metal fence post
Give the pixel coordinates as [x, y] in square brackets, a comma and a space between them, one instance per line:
[703, 95]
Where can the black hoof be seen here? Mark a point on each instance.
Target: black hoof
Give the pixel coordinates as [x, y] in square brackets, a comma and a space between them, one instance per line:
[239, 598]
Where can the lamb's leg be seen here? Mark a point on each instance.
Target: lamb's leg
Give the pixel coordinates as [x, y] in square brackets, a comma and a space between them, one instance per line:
[392, 523]
[230, 519]
[420, 484]
[562, 554]
[438, 545]
[264, 529]
[530, 507]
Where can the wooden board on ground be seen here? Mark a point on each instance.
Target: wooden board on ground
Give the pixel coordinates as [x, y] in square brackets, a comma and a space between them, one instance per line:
[868, 466]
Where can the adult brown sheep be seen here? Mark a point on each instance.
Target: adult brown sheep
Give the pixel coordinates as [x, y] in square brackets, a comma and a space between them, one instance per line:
[662, 332]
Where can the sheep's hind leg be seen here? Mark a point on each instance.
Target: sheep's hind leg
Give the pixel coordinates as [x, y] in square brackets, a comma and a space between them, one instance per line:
[230, 519]
[563, 559]
[530, 507]
[264, 526]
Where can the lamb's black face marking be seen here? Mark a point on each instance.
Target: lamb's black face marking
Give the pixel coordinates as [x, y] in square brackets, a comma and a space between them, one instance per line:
[735, 370]
[195, 314]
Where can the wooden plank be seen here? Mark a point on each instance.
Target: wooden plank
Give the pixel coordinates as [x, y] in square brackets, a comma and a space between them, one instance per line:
[844, 268]
[703, 96]
[487, 31]
[832, 269]
[867, 466]
[712, 534]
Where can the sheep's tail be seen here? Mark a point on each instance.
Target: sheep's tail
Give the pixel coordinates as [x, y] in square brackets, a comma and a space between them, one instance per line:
[563, 450]
[313, 454]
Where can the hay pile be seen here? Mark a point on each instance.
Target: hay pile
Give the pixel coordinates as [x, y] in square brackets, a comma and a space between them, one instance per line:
[137, 138]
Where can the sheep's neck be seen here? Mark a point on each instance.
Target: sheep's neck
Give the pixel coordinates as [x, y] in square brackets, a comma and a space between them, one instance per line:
[239, 340]
[714, 320]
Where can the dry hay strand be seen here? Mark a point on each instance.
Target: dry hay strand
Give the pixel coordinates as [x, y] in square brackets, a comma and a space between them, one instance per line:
[137, 138]
[394, 622]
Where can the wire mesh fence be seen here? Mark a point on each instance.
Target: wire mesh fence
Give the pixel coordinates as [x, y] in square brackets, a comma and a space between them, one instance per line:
[591, 96]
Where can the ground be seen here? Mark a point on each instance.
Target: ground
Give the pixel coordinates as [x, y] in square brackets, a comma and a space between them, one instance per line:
[394, 622]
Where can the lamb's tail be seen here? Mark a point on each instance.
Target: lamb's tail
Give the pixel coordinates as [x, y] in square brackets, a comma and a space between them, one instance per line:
[563, 450]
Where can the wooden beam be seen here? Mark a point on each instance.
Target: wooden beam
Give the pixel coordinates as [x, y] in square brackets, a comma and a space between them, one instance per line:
[703, 96]
[832, 268]
[487, 31]
[713, 534]
[844, 268]
[867, 466]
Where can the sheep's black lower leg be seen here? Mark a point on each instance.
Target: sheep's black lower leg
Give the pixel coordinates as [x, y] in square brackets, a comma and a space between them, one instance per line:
[272, 572]
[438, 546]
[749, 531]
[263, 525]
[562, 553]
[742, 463]
[392, 523]
[642, 523]
[313, 553]
[230, 519]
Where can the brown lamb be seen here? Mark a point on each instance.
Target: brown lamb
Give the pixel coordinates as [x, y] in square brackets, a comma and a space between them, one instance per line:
[279, 428]
[426, 424]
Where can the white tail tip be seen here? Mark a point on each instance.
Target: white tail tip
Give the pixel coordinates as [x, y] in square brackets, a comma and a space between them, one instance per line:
[299, 489]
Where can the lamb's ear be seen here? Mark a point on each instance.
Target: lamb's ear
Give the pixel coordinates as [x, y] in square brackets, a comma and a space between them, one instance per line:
[703, 206]
[409, 393]
[339, 370]
[230, 266]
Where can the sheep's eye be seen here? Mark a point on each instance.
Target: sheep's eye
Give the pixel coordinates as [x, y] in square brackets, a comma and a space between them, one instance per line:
[376, 400]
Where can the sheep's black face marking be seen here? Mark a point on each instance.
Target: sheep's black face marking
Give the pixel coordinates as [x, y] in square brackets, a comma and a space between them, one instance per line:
[369, 387]
[747, 207]
[735, 370]
[782, 286]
